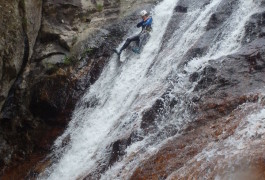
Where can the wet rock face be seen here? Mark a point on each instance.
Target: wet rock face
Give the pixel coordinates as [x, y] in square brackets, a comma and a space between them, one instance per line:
[11, 55]
[181, 9]
[213, 27]
[66, 24]
[255, 28]
[216, 103]
[33, 15]
[223, 12]
[49, 97]
[219, 112]
[173, 159]
[19, 25]
[118, 150]
[149, 116]
[19, 29]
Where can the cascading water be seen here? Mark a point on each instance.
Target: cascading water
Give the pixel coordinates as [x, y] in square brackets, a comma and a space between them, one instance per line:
[113, 107]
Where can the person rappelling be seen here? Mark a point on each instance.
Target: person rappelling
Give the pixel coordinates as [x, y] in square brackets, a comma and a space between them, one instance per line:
[146, 25]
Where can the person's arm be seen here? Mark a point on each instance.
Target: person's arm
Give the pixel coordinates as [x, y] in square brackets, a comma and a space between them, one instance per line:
[140, 24]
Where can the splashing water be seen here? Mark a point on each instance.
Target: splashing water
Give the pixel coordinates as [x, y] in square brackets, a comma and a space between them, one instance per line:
[122, 94]
[231, 33]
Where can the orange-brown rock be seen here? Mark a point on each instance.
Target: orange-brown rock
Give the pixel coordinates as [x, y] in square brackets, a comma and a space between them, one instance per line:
[177, 159]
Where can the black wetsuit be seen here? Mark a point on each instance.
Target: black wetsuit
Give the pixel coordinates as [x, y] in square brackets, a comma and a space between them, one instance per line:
[146, 28]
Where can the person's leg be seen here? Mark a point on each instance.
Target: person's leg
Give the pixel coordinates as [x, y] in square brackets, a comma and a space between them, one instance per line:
[138, 42]
[142, 39]
[128, 41]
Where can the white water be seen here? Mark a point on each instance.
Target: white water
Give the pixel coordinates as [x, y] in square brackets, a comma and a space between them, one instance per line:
[122, 93]
[230, 34]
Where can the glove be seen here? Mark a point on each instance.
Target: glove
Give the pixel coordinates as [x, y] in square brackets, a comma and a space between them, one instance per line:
[139, 24]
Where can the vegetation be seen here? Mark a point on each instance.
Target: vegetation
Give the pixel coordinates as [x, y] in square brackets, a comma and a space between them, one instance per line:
[68, 60]
[51, 68]
[89, 50]
[74, 40]
[24, 22]
[99, 7]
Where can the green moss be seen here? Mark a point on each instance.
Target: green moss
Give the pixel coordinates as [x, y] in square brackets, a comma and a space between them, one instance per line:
[51, 68]
[99, 7]
[24, 22]
[88, 51]
[68, 60]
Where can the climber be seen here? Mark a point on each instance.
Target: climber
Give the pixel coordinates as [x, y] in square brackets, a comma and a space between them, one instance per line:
[142, 36]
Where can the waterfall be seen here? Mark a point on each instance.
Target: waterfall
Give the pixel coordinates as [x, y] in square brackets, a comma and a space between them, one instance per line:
[113, 107]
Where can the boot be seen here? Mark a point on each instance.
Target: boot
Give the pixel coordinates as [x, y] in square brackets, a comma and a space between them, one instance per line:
[136, 50]
[117, 52]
